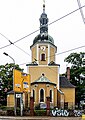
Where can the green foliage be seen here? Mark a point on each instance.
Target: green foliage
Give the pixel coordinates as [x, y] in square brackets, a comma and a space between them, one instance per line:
[3, 107]
[77, 72]
[40, 112]
[6, 80]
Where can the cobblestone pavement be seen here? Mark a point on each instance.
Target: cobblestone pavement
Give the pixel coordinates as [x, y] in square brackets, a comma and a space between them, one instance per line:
[39, 118]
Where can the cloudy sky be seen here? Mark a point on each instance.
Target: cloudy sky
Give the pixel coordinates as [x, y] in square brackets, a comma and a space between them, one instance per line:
[19, 18]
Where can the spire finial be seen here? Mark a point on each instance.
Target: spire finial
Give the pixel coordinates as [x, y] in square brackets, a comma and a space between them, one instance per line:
[44, 1]
[43, 5]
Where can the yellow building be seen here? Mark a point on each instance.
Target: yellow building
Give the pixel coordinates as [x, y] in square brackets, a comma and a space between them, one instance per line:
[45, 80]
[21, 90]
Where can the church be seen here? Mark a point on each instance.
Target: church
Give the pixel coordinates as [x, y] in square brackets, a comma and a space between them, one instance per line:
[45, 80]
[44, 71]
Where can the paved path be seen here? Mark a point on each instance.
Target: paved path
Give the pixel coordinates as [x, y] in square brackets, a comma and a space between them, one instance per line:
[39, 118]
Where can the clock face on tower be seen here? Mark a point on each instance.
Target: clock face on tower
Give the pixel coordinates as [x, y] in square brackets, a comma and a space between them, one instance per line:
[43, 48]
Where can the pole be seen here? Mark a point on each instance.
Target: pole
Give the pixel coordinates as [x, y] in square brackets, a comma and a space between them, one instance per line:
[13, 82]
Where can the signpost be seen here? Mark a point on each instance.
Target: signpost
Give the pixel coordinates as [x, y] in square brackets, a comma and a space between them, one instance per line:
[21, 84]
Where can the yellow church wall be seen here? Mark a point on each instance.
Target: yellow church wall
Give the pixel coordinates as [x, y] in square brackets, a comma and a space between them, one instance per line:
[55, 96]
[69, 96]
[46, 88]
[50, 72]
[10, 100]
[43, 52]
[52, 54]
[34, 53]
[60, 99]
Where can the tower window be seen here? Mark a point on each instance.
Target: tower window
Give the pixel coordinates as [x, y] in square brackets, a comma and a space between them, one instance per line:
[41, 95]
[43, 57]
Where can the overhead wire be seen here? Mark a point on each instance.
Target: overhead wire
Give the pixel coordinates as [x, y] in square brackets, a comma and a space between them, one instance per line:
[48, 56]
[22, 50]
[67, 15]
[81, 11]
[11, 43]
[61, 52]
[39, 28]
[51, 23]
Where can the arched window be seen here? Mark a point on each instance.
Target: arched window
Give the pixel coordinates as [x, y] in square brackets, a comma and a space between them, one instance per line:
[41, 95]
[50, 95]
[43, 57]
[34, 95]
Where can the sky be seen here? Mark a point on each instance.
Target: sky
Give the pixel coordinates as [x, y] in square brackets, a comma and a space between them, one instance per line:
[19, 18]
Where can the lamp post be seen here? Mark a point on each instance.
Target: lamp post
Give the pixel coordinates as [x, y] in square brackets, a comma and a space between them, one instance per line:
[10, 57]
[13, 82]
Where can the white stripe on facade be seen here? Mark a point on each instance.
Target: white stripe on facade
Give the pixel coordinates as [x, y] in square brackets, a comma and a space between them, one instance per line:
[37, 54]
[58, 85]
[48, 54]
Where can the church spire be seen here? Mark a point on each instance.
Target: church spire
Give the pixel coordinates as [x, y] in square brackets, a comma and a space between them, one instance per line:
[43, 21]
[43, 6]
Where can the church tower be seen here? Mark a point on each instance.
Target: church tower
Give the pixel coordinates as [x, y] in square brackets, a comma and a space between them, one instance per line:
[43, 69]
[43, 48]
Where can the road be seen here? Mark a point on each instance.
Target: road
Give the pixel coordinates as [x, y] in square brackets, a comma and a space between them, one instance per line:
[39, 118]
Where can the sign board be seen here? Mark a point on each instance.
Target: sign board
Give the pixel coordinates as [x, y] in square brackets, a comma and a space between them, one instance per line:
[21, 81]
[18, 95]
[25, 85]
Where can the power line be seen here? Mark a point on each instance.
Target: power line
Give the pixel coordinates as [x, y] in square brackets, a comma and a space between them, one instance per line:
[22, 50]
[5, 46]
[39, 28]
[11, 43]
[61, 53]
[66, 15]
[66, 51]
[51, 23]
[26, 36]
[81, 11]
[46, 57]
[70, 50]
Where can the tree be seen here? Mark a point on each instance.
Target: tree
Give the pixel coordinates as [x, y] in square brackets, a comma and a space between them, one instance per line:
[6, 80]
[77, 73]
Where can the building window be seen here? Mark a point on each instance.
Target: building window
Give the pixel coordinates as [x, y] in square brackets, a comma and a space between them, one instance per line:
[41, 95]
[43, 57]
[34, 95]
[50, 95]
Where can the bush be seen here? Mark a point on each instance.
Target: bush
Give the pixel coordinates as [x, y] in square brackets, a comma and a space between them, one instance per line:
[40, 112]
[10, 111]
[26, 112]
[3, 107]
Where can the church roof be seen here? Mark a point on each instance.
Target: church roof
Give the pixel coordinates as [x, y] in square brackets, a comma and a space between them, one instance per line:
[43, 79]
[43, 38]
[65, 83]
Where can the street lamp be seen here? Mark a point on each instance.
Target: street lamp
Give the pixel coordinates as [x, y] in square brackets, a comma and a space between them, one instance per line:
[10, 57]
[13, 82]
